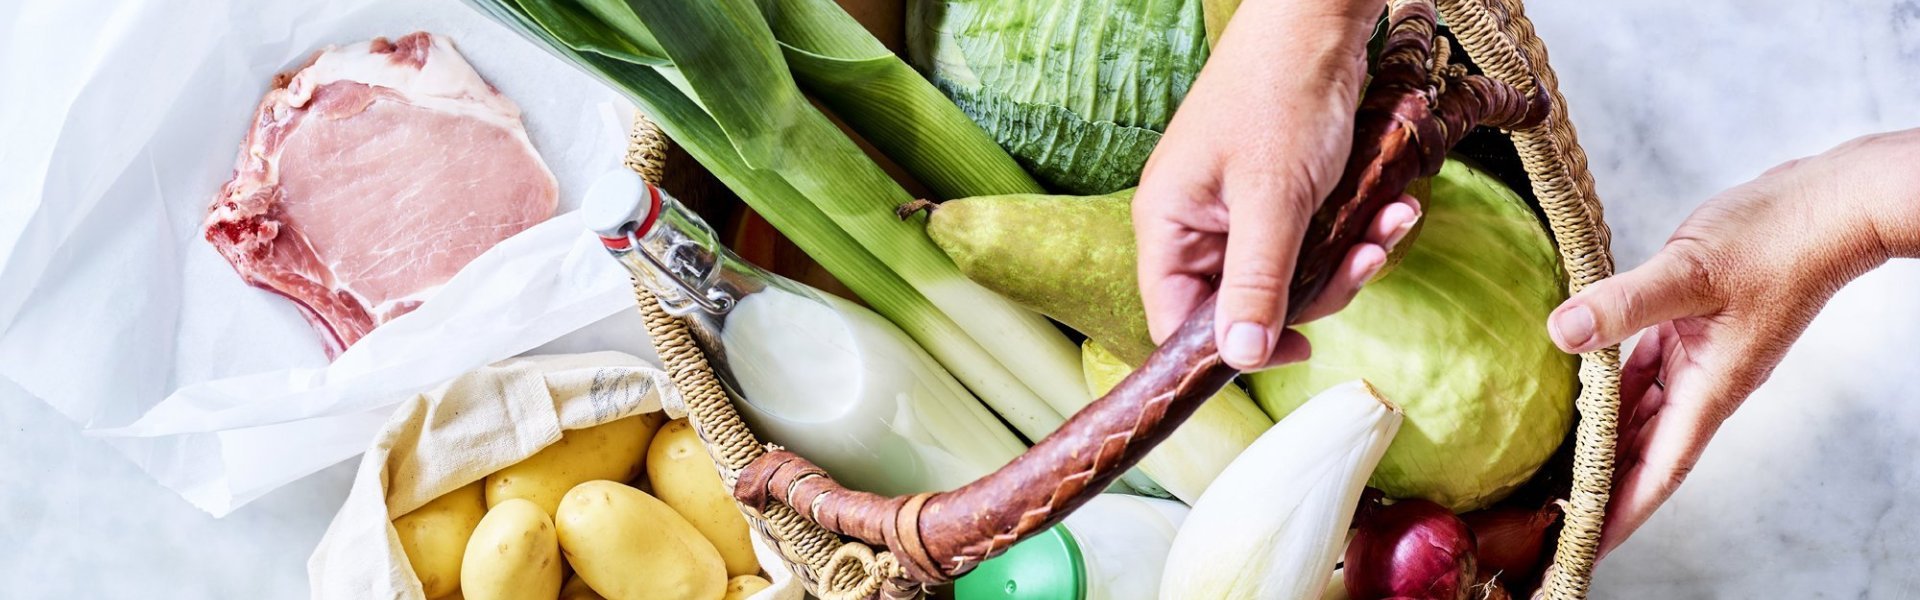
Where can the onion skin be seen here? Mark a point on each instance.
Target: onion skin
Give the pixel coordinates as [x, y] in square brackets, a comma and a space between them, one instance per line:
[1412, 549]
[1511, 543]
[1490, 589]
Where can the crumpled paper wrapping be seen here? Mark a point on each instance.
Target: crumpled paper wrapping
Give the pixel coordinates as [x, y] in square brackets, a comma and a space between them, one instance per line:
[119, 129]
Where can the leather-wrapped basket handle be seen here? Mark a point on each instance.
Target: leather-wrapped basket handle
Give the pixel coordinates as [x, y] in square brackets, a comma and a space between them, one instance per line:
[1413, 112]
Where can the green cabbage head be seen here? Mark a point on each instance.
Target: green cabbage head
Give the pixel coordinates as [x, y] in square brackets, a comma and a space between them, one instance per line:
[1078, 91]
[1456, 335]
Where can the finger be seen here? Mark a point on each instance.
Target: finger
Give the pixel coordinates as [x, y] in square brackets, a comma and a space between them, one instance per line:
[1623, 517]
[1292, 347]
[1365, 260]
[1632, 433]
[1176, 296]
[1669, 286]
[1267, 219]
[1637, 378]
[1394, 222]
[1362, 262]
[1178, 257]
[1640, 400]
[1670, 445]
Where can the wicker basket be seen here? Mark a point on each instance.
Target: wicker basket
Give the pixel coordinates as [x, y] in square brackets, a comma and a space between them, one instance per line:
[1500, 41]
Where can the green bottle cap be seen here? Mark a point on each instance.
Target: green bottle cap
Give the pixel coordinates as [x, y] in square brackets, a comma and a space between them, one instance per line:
[1047, 566]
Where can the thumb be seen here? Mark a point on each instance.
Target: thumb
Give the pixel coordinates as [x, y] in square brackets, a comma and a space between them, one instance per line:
[1672, 285]
[1267, 218]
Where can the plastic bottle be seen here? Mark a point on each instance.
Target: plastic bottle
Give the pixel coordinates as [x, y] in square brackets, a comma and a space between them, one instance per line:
[1112, 548]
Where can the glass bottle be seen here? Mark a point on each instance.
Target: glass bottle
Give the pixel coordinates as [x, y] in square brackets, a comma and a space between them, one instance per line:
[824, 377]
[1113, 548]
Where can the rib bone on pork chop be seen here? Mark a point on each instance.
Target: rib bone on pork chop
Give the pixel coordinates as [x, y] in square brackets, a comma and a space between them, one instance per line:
[370, 176]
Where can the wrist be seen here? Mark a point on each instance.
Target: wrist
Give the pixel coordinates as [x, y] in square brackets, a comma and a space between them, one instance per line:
[1879, 180]
[1895, 221]
[1332, 25]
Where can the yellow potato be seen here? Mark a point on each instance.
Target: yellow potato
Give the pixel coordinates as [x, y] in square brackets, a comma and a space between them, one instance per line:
[683, 477]
[576, 589]
[745, 586]
[514, 555]
[630, 546]
[434, 537]
[613, 451]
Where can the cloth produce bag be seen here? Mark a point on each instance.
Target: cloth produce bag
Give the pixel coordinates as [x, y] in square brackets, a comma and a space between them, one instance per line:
[467, 428]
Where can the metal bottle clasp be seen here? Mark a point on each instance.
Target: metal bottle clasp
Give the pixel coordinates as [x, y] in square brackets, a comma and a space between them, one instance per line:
[621, 209]
[709, 299]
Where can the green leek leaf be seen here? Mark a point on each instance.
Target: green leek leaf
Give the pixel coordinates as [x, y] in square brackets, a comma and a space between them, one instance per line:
[891, 105]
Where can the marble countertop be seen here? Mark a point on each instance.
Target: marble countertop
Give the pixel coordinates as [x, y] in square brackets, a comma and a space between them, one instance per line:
[1802, 496]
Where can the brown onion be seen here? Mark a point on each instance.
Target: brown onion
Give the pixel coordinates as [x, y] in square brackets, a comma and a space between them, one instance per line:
[1412, 549]
[1510, 542]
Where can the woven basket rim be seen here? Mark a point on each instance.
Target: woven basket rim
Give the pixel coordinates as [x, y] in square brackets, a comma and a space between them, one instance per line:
[1500, 40]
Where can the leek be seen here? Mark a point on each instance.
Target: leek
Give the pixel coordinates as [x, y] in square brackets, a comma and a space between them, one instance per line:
[713, 76]
[891, 105]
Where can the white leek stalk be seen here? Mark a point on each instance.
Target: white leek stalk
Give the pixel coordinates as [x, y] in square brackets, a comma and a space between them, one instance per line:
[1274, 523]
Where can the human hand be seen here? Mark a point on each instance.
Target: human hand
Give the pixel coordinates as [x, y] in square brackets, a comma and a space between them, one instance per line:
[1727, 296]
[1259, 141]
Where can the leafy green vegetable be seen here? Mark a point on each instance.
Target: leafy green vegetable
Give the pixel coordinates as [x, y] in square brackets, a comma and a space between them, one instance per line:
[1077, 90]
[715, 75]
[1456, 336]
[866, 85]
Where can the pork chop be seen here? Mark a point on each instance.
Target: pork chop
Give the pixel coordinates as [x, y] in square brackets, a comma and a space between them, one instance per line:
[370, 176]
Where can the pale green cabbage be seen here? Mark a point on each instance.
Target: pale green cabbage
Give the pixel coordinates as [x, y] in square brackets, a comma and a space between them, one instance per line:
[1456, 335]
[1078, 91]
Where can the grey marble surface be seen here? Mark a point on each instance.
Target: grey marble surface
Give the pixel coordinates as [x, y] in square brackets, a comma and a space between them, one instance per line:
[1806, 491]
[1804, 495]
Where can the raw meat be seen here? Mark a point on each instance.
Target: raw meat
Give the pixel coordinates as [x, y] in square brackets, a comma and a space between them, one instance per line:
[371, 175]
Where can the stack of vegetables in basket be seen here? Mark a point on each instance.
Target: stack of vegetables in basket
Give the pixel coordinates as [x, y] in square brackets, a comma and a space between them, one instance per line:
[1437, 388]
[582, 505]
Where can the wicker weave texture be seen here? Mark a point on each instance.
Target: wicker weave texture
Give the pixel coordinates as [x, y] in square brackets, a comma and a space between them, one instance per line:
[1501, 41]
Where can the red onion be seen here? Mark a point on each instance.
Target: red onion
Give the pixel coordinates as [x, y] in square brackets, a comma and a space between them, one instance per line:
[1512, 541]
[1412, 549]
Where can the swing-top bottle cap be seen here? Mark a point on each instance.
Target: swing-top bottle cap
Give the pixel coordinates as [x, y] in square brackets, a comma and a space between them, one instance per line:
[620, 203]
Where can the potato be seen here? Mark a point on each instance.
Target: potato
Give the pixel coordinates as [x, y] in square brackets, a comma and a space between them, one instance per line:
[434, 537]
[614, 451]
[629, 545]
[683, 477]
[576, 589]
[745, 586]
[514, 555]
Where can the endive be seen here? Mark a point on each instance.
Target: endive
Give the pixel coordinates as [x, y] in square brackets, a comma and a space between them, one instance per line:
[1274, 523]
[715, 77]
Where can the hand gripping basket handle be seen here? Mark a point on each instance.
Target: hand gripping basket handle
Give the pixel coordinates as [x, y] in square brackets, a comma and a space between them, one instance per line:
[1413, 112]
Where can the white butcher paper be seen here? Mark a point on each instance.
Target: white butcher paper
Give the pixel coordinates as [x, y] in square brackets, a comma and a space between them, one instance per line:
[121, 118]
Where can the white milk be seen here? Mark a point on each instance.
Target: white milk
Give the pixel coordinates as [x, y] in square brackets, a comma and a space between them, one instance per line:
[848, 390]
[1124, 541]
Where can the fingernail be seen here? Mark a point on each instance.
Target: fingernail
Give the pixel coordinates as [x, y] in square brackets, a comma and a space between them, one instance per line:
[1246, 344]
[1374, 269]
[1400, 233]
[1573, 329]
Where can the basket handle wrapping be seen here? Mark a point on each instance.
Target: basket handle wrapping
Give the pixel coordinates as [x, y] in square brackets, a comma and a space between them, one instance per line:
[1412, 114]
